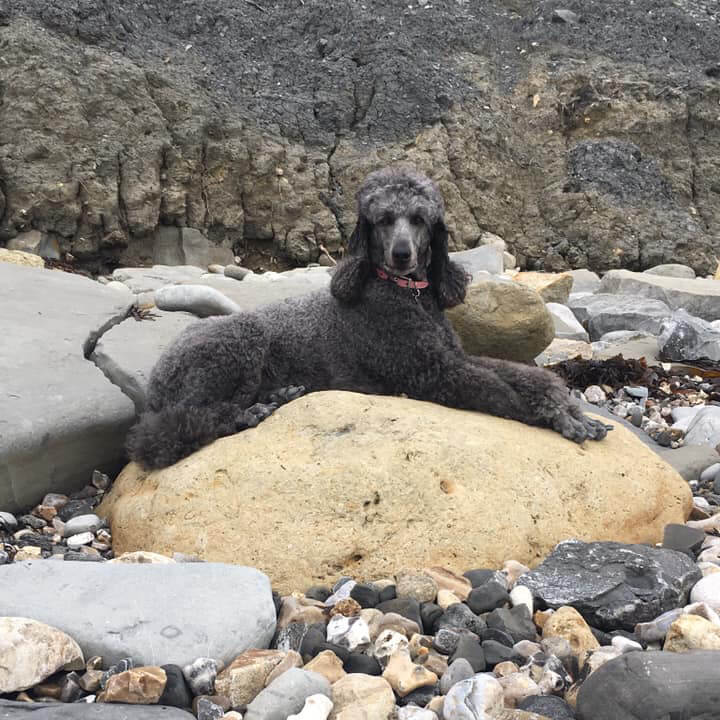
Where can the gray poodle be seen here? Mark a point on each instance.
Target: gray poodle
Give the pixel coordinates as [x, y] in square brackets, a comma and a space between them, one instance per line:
[381, 329]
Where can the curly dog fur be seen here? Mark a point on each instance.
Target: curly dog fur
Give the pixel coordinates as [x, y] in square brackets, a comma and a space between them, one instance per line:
[371, 333]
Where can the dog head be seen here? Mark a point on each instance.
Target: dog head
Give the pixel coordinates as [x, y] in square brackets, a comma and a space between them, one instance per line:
[401, 230]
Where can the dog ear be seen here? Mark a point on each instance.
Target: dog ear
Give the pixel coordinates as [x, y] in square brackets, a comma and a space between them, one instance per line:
[448, 279]
[352, 272]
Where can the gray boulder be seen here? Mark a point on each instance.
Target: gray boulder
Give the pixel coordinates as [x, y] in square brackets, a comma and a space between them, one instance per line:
[684, 337]
[699, 297]
[604, 313]
[10, 710]
[613, 585]
[653, 686]
[154, 613]
[287, 694]
[567, 326]
[628, 343]
[672, 270]
[60, 417]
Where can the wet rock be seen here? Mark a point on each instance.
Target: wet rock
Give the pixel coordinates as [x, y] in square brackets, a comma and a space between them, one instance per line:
[613, 585]
[31, 651]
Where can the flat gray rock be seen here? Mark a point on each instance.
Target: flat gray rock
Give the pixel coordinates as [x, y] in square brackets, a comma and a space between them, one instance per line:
[128, 351]
[699, 297]
[61, 418]
[286, 694]
[10, 710]
[603, 313]
[704, 428]
[143, 280]
[154, 613]
[484, 257]
[584, 281]
[629, 344]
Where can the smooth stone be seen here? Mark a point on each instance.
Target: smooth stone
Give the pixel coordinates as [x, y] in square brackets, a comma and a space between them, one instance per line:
[407, 607]
[387, 643]
[706, 475]
[692, 632]
[412, 712]
[237, 272]
[176, 692]
[487, 597]
[430, 613]
[477, 698]
[82, 524]
[200, 675]
[584, 281]
[8, 522]
[521, 595]
[707, 590]
[363, 664]
[199, 300]
[468, 648]
[479, 577]
[599, 579]
[704, 428]
[652, 685]
[447, 580]
[287, 695]
[352, 633]
[458, 670]
[359, 696]
[461, 617]
[75, 542]
[31, 651]
[496, 653]
[327, 664]
[138, 686]
[316, 707]
[484, 257]
[416, 585]
[238, 608]
[516, 622]
[367, 595]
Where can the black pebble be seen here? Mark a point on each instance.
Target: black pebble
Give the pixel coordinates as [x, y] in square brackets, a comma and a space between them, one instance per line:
[407, 607]
[497, 635]
[388, 593]
[420, 697]
[496, 652]
[460, 616]
[73, 508]
[487, 597]
[430, 614]
[479, 577]
[516, 622]
[683, 538]
[318, 592]
[366, 595]
[176, 692]
[469, 648]
[342, 652]
[312, 643]
[360, 663]
[601, 636]
[549, 706]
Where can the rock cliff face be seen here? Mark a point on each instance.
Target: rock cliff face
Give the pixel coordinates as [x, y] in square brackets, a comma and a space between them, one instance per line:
[590, 141]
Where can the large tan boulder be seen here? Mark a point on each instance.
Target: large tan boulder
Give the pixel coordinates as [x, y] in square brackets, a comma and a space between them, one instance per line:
[503, 320]
[341, 483]
[19, 257]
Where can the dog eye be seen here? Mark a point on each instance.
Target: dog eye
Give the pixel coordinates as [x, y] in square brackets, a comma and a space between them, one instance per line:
[416, 219]
[386, 220]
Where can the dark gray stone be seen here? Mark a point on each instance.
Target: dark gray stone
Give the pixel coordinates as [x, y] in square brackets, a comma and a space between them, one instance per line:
[407, 607]
[682, 538]
[367, 595]
[88, 711]
[479, 577]
[61, 417]
[468, 648]
[361, 663]
[460, 617]
[290, 637]
[653, 685]
[487, 597]
[549, 706]
[457, 671]
[685, 338]
[176, 692]
[124, 610]
[516, 622]
[611, 584]
[496, 652]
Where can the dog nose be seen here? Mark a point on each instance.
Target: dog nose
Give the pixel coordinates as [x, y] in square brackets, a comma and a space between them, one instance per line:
[401, 253]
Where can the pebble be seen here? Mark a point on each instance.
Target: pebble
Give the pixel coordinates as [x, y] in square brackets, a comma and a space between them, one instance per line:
[360, 696]
[416, 585]
[317, 707]
[566, 622]
[360, 663]
[707, 591]
[468, 648]
[75, 542]
[480, 576]
[521, 595]
[516, 622]
[692, 632]
[405, 676]
[412, 712]
[88, 523]
[487, 597]
[206, 709]
[175, 694]
[141, 685]
[287, 695]
[245, 676]
[517, 687]
[446, 598]
[352, 633]
[200, 676]
[449, 581]
[477, 698]
[329, 665]
[366, 595]
[8, 522]
[387, 644]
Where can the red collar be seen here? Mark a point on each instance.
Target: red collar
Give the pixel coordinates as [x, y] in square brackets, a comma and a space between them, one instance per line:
[401, 281]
